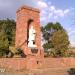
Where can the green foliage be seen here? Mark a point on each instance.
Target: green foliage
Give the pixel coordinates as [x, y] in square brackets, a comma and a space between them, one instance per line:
[3, 42]
[47, 33]
[16, 52]
[60, 42]
[55, 38]
[48, 45]
[7, 36]
[20, 52]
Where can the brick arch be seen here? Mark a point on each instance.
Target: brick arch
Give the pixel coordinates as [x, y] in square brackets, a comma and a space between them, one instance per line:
[28, 25]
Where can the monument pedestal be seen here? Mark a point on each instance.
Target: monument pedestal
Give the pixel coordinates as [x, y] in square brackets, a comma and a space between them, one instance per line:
[35, 59]
[31, 62]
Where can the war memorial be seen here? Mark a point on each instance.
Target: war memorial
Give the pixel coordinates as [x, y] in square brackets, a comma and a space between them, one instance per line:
[28, 38]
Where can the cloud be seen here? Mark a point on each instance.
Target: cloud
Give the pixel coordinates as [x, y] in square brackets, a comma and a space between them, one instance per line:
[58, 13]
[50, 11]
[41, 4]
[8, 8]
[52, 8]
[71, 32]
[66, 11]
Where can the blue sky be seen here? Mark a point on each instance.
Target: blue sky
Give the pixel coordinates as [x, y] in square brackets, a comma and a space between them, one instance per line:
[62, 11]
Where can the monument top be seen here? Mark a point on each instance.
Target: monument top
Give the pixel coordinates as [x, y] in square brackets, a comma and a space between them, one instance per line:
[28, 8]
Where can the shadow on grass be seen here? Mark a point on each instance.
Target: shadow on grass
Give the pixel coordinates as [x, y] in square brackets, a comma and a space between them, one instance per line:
[71, 71]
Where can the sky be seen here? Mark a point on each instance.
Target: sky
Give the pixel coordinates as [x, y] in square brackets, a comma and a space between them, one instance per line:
[62, 11]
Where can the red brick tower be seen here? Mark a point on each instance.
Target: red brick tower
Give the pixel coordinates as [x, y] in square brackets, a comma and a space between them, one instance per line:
[25, 16]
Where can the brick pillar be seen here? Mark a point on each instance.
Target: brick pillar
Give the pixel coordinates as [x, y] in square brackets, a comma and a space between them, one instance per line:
[24, 15]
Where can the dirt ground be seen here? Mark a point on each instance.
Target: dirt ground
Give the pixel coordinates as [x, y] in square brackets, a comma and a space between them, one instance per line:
[48, 71]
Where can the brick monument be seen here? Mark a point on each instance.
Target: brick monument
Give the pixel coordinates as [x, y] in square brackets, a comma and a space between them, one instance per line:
[28, 35]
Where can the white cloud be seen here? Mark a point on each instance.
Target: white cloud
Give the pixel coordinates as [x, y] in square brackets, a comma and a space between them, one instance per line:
[50, 15]
[66, 11]
[51, 11]
[55, 17]
[43, 18]
[58, 12]
[71, 33]
[52, 8]
[41, 4]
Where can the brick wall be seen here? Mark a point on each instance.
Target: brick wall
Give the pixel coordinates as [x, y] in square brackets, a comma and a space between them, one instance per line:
[21, 63]
[59, 63]
[13, 63]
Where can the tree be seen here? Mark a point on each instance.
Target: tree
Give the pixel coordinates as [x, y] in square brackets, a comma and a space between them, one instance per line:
[47, 33]
[60, 42]
[9, 28]
[7, 36]
[56, 39]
